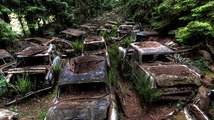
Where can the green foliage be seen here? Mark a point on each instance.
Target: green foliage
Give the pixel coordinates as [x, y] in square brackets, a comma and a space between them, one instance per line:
[3, 86]
[144, 87]
[22, 85]
[78, 47]
[112, 76]
[200, 63]
[127, 41]
[193, 30]
[191, 19]
[57, 69]
[6, 32]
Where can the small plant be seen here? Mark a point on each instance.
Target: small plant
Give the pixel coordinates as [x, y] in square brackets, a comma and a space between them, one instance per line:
[42, 115]
[127, 41]
[78, 47]
[22, 85]
[144, 87]
[112, 76]
[200, 63]
[3, 85]
[57, 69]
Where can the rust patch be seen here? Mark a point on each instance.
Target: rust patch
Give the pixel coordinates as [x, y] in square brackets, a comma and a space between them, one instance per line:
[74, 32]
[30, 51]
[4, 53]
[196, 112]
[93, 38]
[147, 44]
[172, 70]
[84, 64]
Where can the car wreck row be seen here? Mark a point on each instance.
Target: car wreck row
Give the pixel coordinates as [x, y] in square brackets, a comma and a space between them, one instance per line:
[83, 89]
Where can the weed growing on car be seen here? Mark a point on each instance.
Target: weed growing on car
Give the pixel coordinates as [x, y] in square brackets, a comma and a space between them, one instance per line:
[78, 47]
[3, 85]
[144, 87]
[57, 69]
[22, 85]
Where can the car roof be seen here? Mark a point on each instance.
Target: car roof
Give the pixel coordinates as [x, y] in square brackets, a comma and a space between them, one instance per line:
[4, 53]
[94, 39]
[84, 69]
[151, 47]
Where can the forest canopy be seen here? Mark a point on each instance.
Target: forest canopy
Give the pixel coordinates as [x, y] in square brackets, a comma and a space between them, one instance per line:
[40, 16]
[189, 20]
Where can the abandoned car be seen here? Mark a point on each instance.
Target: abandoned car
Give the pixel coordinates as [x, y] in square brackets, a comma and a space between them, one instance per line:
[6, 61]
[189, 112]
[96, 45]
[155, 61]
[84, 92]
[72, 34]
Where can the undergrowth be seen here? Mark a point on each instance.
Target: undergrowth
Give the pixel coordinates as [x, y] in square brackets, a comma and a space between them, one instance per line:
[78, 47]
[3, 86]
[144, 87]
[23, 85]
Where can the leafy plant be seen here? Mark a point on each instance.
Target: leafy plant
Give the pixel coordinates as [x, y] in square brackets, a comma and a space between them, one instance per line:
[22, 85]
[78, 47]
[112, 76]
[200, 63]
[3, 85]
[42, 115]
[127, 41]
[57, 69]
[144, 87]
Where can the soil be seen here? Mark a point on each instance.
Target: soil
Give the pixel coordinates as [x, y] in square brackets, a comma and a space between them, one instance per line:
[147, 44]
[161, 39]
[84, 64]
[180, 70]
[34, 108]
[136, 109]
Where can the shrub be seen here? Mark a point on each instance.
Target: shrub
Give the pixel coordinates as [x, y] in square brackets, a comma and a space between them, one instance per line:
[22, 85]
[78, 47]
[144, 87]
[3, 85]
[127, 41]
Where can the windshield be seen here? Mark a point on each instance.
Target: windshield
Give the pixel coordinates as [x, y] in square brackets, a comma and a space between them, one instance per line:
[153, 58]
[94, 46]
[8, 59]
[83, 90]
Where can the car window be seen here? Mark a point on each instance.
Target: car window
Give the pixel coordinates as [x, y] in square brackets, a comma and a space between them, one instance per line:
[31, 61]
[8, 59]
[92, 47]
[84, 90]
[1, 62]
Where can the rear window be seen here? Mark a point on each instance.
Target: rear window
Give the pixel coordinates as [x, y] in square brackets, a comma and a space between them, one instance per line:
[83, 90]
[8, 59]
[92, 47]
[1, 62]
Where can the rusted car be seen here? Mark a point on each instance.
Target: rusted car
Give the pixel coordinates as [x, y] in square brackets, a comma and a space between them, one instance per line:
[96, 45]
[125, 30]
[72, 34]
[65, 47]
[6, 61]
[84, 92]
[190, 112]
[155, 61]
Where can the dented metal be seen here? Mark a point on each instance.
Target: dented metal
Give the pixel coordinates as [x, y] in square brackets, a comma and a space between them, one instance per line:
[84, 95]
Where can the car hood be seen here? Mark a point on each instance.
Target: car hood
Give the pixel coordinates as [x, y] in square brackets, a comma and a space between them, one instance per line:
[173, 75]
[96, 52]
[84, 109]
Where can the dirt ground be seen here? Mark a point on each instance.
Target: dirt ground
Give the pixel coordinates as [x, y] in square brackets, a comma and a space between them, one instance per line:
[34, 108]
